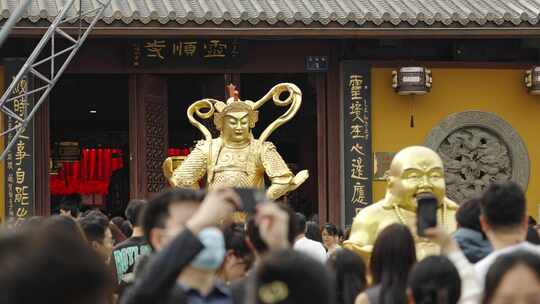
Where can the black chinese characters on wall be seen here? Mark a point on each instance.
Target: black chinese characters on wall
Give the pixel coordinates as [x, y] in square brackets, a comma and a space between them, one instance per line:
[356, 133]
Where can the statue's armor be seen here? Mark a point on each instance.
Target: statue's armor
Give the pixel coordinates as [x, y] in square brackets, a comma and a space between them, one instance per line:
[234, 167]
[238, 167]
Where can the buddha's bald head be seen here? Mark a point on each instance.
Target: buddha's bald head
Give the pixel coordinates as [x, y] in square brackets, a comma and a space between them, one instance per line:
[414, 170]
[414, 156]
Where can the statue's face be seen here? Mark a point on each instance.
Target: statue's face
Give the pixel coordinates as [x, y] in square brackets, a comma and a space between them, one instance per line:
[416, 170]
[236, 127]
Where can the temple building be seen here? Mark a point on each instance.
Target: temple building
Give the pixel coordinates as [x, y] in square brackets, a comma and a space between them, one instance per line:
[458, 76]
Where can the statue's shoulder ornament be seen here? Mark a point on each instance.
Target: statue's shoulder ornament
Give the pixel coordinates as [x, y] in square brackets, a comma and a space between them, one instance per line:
[268, 146]
[204, 144]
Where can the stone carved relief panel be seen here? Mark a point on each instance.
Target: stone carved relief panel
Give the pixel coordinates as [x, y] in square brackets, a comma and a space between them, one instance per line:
[477, 149]
[473, 158]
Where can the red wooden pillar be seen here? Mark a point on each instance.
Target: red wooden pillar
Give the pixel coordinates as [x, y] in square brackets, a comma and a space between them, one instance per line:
[333, 121]
[322, 146]
[148, 134]
[42, 146]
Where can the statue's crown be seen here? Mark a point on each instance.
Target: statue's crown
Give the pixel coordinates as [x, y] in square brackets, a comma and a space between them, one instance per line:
[233, 102]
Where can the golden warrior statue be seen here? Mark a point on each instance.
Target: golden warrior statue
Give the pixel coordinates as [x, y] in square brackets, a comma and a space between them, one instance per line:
[236, 159]
[413, 170]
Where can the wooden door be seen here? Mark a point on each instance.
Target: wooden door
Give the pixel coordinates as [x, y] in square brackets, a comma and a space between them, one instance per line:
[148, 134]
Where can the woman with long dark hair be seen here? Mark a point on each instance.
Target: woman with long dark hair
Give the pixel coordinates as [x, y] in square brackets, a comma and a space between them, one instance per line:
[392, 258]
[349, 273]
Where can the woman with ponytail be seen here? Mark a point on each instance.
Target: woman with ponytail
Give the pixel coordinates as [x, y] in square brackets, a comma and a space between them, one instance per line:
[392, 258]
[434, 280]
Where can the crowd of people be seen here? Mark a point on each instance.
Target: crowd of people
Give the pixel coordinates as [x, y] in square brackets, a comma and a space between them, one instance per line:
[191, 246]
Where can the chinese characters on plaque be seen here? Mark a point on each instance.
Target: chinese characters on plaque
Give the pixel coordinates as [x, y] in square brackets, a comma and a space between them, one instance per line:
[19, 173]
[357, 158]
[157, 52]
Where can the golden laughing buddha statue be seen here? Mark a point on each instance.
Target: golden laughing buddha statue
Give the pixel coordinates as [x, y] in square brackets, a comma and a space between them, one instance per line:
[236, 158]
[413, 170]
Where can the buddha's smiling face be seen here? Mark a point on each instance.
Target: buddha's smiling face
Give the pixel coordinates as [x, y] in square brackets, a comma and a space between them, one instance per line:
[416, 170]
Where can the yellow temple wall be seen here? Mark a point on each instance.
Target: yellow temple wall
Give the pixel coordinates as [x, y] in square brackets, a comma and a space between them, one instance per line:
[500, 91]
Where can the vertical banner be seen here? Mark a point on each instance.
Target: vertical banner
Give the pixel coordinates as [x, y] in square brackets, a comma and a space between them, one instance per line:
[357, 163]
[19, 163]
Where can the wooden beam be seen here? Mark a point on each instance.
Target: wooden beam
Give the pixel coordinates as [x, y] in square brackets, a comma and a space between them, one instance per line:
[174, 30]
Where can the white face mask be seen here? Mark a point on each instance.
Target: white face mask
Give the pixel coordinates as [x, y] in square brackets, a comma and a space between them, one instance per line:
[211, 257]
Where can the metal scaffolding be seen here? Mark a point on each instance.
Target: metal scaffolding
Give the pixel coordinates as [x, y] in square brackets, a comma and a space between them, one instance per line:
[48, 68]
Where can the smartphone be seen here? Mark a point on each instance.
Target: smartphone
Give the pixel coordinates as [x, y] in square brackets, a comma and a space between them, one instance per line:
[426, 212]
[249, 198]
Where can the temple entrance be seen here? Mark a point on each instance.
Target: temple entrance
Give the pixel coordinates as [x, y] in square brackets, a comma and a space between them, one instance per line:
[296, 141]
[89, 127]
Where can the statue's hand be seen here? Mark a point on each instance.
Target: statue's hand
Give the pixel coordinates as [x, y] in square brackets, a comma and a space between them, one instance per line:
[167, 167]
[172, 182]
[300, 178]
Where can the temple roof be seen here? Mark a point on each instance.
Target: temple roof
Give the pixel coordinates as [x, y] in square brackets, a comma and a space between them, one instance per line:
[313, 13]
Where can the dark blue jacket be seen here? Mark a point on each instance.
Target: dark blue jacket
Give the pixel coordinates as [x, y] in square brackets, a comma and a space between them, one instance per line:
[473, 244]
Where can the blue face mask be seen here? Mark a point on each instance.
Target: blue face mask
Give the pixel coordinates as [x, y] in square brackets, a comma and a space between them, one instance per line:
[211, 257]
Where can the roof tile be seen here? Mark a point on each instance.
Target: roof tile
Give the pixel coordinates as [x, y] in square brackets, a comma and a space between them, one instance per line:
[322, 12]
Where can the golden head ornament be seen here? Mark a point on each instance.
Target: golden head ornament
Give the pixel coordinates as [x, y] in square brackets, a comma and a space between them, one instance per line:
[236, 158]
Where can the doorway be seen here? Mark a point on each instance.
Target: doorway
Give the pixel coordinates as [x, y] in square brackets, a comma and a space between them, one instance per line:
[89, 138]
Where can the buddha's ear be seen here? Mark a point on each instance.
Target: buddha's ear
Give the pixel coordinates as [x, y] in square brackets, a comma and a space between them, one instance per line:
[218, 121]
[388, 178]
[253, 118]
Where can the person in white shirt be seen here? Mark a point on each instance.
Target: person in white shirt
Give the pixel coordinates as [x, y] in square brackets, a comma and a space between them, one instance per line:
[504, 221]
[303, 244]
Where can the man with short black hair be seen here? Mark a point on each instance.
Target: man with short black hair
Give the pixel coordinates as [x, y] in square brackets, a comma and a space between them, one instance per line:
[504, 221]
[126, 254]
[303, 244]
[169, 209]
[134, 211]
[98, 234]
[70, 206]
